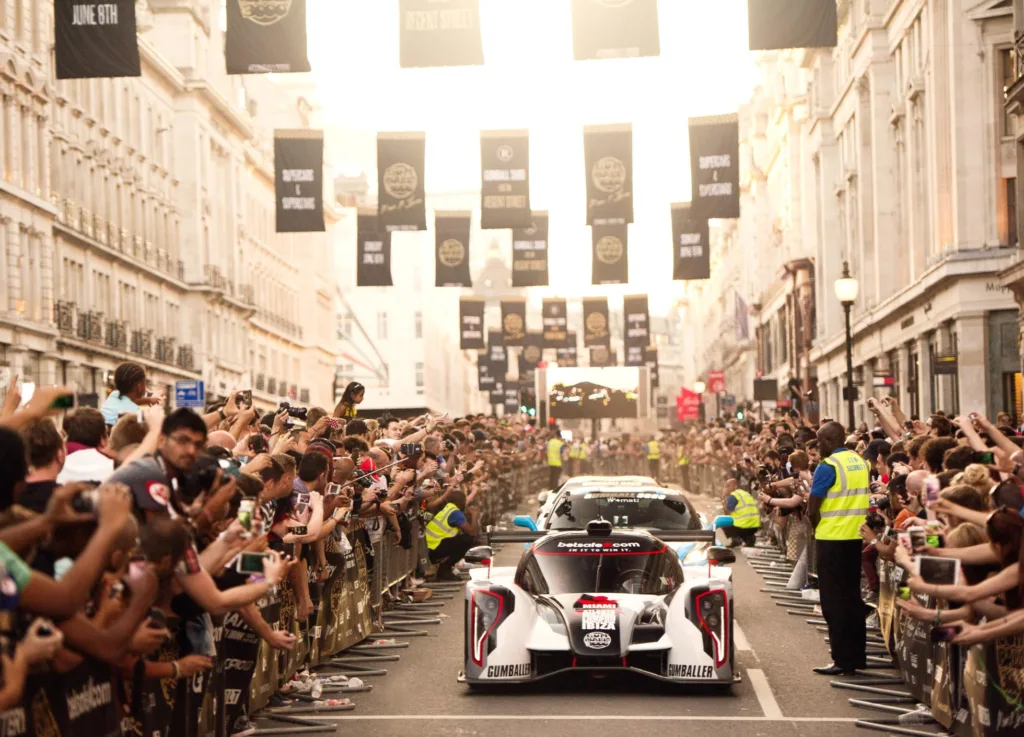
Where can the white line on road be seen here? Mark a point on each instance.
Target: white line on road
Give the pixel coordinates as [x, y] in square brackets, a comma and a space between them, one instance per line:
[765, 697]
[567, 718]
[740, 638]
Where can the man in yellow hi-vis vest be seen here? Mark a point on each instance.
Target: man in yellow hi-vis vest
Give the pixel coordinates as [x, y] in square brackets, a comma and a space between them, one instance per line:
[683, 459]
[746, 518]
[555, 453]
[450, 534]
[838, 506]
[653, 448]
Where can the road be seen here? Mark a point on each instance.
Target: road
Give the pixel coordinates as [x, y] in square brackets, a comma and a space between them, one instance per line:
[779, 696]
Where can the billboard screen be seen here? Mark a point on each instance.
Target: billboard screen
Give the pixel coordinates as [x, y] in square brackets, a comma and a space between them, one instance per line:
[583, 393]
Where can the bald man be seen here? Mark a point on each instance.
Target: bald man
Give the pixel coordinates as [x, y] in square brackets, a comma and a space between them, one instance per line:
[221, 439]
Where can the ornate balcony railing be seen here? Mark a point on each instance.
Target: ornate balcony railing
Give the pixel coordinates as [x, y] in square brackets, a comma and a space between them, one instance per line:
[117, 335]
[186, 357]
[64, 316]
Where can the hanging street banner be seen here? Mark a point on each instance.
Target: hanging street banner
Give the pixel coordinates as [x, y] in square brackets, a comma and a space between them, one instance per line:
[497, 356]
[266, 36]
[792, 24]
[505, 185]
[595, 322]
[715, 166]
[471, 324]
[651, 362]
[636, 328]
[513, 321]
[530, 356]
[440, 33]
[511, 398]
[373, 251]
[401, 193]
[451, 252]
[567, 354]
[555, 322]
[530, 253]
[614, 29]
[608, 155]
[298, 180]
[95, 39]
[498, 391]
[610, 254]
[688, 406]
[691, 252]
[601, 357]
[485, 378]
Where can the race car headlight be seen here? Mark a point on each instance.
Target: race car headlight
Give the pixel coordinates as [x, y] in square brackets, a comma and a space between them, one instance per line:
[549, 615]
[485, 612]
[713, 615]
[697, 556]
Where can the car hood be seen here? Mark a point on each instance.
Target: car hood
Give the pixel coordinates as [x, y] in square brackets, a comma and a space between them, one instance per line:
[602, 625]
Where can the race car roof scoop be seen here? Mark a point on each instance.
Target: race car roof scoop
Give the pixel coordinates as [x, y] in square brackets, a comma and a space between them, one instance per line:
[599, 528]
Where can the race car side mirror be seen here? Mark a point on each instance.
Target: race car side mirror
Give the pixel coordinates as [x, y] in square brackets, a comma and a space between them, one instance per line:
[723, 520]
[479, 554]
[720, 555]
[524, 520]
[542, 497]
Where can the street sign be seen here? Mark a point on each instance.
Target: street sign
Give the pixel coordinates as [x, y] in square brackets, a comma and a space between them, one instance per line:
[946, 364]
[189, 394]
[716, 382]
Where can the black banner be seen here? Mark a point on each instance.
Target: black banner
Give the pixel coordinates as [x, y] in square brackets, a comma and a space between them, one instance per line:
[299, 180]
[608, 154]
[555, 323]
[715, 166]
[471, 324]
[615, 29]
[498, 391]
[651, 362]
[567, 353]
[511, 399]
[497, 355]
[485, 378]
[440, 33]
[451, 252]
[595, 322]
[401, 193]
[530, 356]
[791, 24]
[610, 254]
[691, 252]
[530, 253]
[636, 328]
[601, 357]
[266, 36]
[505, 186]
[513, 321]
[95, 39]
[373, 251]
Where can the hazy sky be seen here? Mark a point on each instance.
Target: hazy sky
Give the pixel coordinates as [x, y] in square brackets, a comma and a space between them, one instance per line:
[530, 81]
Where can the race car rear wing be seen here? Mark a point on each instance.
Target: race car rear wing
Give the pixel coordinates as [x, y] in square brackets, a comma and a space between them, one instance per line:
[668, 536]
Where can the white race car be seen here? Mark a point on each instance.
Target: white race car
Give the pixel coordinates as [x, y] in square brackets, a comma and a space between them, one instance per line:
[598, 599]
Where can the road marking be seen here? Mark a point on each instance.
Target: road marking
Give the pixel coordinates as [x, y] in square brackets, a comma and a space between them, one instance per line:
[764, 694]
[740, 638]
[567, 718]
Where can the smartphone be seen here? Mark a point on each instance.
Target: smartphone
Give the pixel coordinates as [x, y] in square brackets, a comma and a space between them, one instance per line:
[944, 571]
[245, 398]
[298, 530]
[243, 459]
[944, 634]
[333, 489]
[932, 487]
[984, 457]
[246, 510]
[250, 563]
[159, 617]
[64, 401]
[905, 539]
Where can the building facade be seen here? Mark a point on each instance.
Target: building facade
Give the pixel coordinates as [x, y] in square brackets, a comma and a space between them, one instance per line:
[137, 219]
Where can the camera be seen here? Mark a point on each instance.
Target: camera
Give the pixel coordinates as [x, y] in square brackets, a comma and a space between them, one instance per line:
[883, 504]
[299, 413]
[411, 449]
[875, 521]
[85, 503]
[364, 480]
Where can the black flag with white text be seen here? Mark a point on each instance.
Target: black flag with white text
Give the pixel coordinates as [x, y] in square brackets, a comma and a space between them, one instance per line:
[715, 166]
[513, 321]
[610, 254]
[608, 156]
[440, 33]
[691, 252]
[505, 185]
[485, 377]
[401, 193]
[451, 253]
[567, 354]
[637, 328]
[94, 39]
[530, 253]
[555, 322]
[298, 174]
[614, 29]
[471, 324]
[373, 252]
[651, 361]
[497, 355]
[530, 356]
[595, 322]
[266, 36]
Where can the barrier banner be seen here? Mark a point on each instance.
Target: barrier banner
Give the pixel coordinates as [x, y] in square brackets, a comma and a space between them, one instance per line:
[567, 354]
[614, 29]
[530, 356]
[373, 251]
[636, 328]
[530, 253]
[691, 252]
[555, 322]
[595, 322]
[238, 649]
[791, 24]
[471, 324]
[266, 36]
[513, 321]
[451, 254]
[298, 180]
[651, 362]
[994, 683]
[95, 39]
[715, 166]
[505, 185]
[608, 155]
[610, 254]
[440, 33]
[401, 193]
[600, 356]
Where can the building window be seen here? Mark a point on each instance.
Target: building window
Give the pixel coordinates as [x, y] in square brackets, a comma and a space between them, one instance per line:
[419, 325]
[419, 376]
[1011, 212]
[1008, 74]
[382, 325]
[783, 337]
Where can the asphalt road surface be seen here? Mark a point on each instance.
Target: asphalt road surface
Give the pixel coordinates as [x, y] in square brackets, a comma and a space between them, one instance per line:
[779, 696]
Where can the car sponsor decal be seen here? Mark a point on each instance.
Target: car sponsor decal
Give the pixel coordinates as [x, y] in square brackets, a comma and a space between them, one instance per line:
[574, 547]
[597, 640]
[689, 670]
[622, 499]
[601, 619]
[515, 670]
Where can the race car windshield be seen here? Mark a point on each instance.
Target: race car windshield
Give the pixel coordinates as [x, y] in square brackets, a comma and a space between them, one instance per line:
[646, 510]
[587, 571]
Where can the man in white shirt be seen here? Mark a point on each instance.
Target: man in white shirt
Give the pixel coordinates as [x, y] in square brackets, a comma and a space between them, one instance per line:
[86, 445]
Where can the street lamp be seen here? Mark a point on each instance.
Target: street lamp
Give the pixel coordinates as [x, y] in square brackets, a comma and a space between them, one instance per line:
[700, 387]
[846, 292]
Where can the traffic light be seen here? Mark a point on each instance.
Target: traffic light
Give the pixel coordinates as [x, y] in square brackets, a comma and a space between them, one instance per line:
[528, 401]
